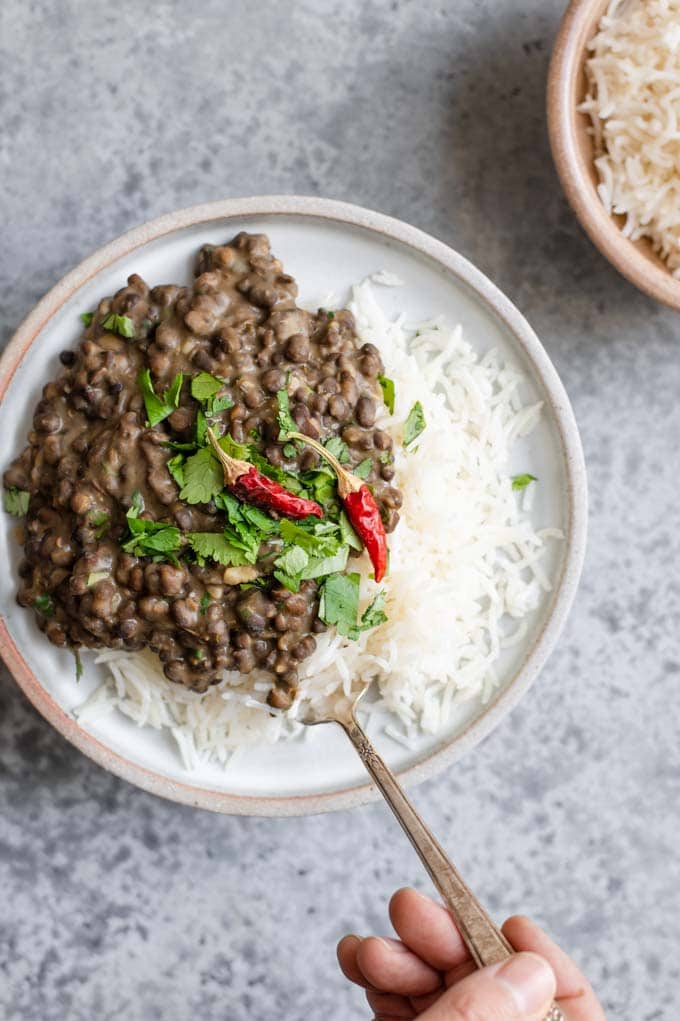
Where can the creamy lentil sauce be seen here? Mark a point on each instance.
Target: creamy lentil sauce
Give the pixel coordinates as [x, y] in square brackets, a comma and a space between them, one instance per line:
[94, 464]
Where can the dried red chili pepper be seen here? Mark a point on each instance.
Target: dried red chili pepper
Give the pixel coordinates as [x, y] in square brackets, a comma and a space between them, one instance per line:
[360, 507]
[249, 485]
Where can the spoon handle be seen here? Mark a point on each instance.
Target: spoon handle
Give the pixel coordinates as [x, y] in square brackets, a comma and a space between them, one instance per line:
[485, 941]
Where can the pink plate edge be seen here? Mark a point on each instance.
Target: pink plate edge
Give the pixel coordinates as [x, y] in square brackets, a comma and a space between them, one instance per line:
[577, 501]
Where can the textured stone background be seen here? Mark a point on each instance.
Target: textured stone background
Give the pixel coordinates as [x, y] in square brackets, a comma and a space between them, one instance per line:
[118, 905]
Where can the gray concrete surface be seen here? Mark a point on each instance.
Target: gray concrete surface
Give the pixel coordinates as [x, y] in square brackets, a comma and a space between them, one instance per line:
[118, 905]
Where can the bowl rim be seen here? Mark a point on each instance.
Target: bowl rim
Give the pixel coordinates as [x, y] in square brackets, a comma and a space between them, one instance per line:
[576, 496]
[574, 171]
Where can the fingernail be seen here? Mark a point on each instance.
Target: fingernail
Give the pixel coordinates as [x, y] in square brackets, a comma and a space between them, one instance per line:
[530, 979]
[393, 945]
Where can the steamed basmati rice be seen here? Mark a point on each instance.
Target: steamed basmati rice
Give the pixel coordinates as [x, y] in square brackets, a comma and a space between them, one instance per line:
[634, 105]
[465, 565]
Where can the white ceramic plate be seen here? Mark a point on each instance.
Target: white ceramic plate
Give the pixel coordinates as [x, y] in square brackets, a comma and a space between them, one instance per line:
[326, 246]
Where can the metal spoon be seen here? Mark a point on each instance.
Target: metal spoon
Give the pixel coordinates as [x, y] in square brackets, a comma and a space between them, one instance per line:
[485, 941]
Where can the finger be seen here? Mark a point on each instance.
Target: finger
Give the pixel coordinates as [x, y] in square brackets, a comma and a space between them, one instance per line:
[573, 988]
[388, 965]
[519, 989]
[347, 959]
[390, 1004]
[428, 929]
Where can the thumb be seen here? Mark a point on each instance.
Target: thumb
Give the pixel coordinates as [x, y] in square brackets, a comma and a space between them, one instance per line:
[519, 989]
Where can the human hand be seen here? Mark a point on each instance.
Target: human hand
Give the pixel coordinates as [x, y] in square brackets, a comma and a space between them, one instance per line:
[428, 973]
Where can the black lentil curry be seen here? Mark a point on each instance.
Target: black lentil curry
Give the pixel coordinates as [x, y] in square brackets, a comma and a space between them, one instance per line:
[130, 538]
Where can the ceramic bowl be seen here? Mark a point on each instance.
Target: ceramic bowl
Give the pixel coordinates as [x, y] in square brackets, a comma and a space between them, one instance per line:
[572, 149]
[327, 246]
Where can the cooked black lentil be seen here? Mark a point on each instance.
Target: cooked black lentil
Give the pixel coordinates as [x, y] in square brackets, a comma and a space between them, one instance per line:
[91, 449]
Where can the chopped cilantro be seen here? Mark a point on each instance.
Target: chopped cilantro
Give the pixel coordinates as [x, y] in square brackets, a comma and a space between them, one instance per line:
[79, 663]
[387, 386]
[150, 538]
[158, 408]
[122, 325]
[86, 317]
[199, 654]
[204, 386]
[175, 466]
[320, 567]
[522, 481]
[216, 546]
[44, 605]
[205, 603]
[338, 448]
[99, 520]
[15, 501]
[203, 477]
[373, 615]
[348, 535]
[363, 469]
[289, 450]
[385, 457]
[284, 417]
[339, 601]
[415, 423]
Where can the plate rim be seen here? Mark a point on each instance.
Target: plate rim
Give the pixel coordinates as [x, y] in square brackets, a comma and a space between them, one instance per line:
[575, 474]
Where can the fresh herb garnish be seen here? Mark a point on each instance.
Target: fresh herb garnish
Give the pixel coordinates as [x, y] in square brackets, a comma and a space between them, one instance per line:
[79, 663]
[289, 567]
[44, 605]
[289, 450]
[150, 538]
[284, 417]
[338, 448]
[205, 603]
[522, 481]
[204, 386]
[363, 469]
[99, 520]
[415, 423]
[15, 501]
[339, 606]
[387, 386]
[86, 317]
[216, 546]
[158, 408]
[199, 654]
[348, 535]
[385, 457]
[203, 477]
[175, 466]
[122, 325]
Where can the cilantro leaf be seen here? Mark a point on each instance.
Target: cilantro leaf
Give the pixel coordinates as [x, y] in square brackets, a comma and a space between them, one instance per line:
[347, 534]
[44, 605]
[322, 486]
[86, 317]
[385, 457]
[122, 325]
[320, 545]
[373, 615]
[79, 663]
[204, 386]
[175, 466]
[15, 501]
[149, 538]
[205, 603]
[363, 469]
[158, 408]
[415, 423]
[284, 417]
[99, 520]
[338, 448]
[339, 601]
[522, 481]
[319, 567]
[203, 477]
[387, 386]
[215, 546]
[217, 404]
[290, 566]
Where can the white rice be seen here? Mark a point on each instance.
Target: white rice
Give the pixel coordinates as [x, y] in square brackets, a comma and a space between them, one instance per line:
[634, 106]
[465, 566]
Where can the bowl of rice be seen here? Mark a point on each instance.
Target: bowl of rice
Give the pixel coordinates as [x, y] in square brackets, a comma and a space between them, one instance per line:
[484, 562]
[613, 113]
